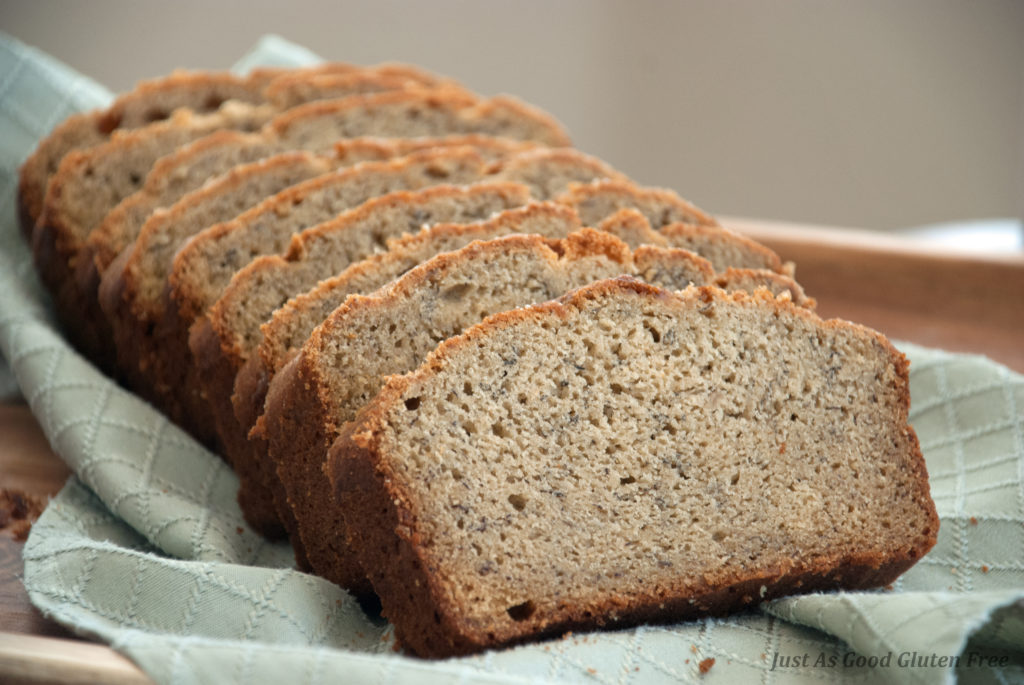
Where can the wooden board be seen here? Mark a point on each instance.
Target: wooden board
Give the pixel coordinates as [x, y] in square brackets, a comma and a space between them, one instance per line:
[927, 296]
[34, 649]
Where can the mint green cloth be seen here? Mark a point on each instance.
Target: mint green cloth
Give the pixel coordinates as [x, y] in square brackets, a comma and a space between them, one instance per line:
[146, 549]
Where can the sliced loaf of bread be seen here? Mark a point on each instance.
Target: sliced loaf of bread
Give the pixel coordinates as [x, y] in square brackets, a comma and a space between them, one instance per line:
[345, 360]
[626, 455]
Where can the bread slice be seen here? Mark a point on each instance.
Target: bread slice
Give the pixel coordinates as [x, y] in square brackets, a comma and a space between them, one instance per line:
[261, 498]
[356, 233]
[341, 365]
[150, 101]
[625, 455]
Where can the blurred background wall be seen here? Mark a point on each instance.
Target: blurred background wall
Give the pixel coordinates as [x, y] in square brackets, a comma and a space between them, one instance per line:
[879, 114]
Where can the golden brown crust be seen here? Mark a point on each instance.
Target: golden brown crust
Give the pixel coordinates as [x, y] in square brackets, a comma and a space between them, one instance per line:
[744, 251]
[294, 422]
[599, 200]
[369, 148]
[262, 509]
[382, 514]
[748, 279]
[291, 90]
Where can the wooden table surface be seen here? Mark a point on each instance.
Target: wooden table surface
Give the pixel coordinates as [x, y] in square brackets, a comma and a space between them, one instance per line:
[926, 296]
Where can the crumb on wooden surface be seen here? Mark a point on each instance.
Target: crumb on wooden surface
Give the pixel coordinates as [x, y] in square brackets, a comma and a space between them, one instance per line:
[18, 510]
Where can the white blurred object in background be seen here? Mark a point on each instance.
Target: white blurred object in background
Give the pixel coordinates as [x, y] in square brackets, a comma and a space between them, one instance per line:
[991, 236]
